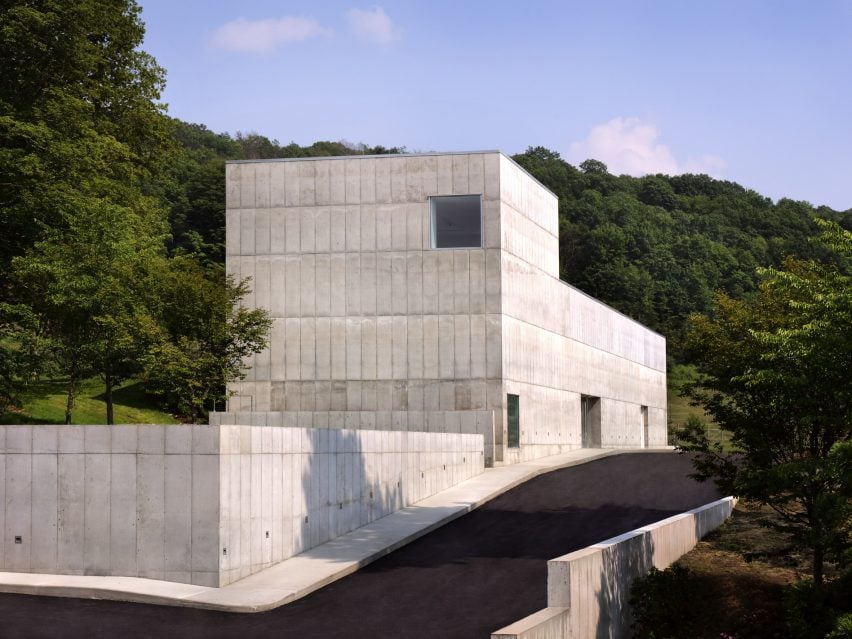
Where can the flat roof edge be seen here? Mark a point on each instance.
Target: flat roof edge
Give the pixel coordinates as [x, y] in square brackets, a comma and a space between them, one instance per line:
[356, 156]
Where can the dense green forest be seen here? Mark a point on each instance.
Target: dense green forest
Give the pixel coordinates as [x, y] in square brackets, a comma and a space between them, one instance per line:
[658, 247]
[113, 222]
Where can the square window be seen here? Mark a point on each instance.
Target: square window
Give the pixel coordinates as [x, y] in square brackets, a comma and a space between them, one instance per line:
[456, 221]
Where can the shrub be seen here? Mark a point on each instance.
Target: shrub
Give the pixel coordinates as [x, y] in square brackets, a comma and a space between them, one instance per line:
[843, 628]
[658, 603]
[814, 612]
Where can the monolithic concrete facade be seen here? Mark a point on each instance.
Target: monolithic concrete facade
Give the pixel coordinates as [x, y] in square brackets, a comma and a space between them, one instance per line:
[373, 325]
[206, 505]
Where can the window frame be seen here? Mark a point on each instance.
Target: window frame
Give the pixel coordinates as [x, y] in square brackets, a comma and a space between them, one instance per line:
[433, 231]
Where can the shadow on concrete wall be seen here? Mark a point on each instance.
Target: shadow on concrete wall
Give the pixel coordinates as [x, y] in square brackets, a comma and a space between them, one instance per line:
[708, 519]
[342, 486]
[622, 563]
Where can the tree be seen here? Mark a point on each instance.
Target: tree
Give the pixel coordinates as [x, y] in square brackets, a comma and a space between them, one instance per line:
[207, 337]
[78, 112]
[655, 190]
[87, 285]
[594, 167]
[776, 376]
[21, 352]
[82, 137]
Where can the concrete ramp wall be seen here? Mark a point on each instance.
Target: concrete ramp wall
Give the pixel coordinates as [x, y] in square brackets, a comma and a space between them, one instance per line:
[206, 505]
[588, 590]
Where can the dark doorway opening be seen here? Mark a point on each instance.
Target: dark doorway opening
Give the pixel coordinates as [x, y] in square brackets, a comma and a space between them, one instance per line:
[513, 412]
[590, 421]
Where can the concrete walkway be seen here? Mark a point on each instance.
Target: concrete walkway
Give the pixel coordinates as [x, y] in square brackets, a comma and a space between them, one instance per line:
[300, 575]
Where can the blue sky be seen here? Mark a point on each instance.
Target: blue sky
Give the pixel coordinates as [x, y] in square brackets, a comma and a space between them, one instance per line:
[759, 92]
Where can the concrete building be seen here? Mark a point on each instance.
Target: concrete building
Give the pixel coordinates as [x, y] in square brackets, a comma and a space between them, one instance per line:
[422, 293]
[420, 333]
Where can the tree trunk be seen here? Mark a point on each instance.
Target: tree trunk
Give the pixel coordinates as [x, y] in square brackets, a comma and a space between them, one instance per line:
[819, 559]
[108, 395]
[69, 404]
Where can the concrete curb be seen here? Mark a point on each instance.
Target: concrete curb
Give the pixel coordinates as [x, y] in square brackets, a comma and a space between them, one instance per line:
[301, 575]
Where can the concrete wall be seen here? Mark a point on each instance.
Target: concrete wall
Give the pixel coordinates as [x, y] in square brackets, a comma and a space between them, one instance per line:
[558, 343]
[588, 590]
[366, 316]
[285, 490]
[205, 504]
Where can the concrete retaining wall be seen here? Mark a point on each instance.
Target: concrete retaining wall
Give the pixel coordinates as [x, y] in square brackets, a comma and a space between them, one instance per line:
[205, 504]
[588, 590]
[433, 421]
[96, 500]
[285, 490]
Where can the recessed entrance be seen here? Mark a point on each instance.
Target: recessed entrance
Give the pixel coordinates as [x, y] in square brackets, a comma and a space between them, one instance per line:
[590, 421]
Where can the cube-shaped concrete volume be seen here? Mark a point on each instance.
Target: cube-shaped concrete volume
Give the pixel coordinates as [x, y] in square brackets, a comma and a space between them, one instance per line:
[375, 327]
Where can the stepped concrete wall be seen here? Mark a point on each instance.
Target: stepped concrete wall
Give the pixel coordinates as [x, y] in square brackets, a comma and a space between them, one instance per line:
[559, 343]
[467, 421]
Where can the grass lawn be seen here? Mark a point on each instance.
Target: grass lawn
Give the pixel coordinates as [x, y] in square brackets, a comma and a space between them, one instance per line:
[44, 403]
[680, 409]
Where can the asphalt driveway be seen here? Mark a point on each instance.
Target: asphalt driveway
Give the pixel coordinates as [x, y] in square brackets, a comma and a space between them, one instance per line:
[466, 579]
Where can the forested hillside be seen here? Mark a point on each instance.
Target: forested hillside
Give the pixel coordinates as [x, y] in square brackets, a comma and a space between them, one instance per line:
[113, 222]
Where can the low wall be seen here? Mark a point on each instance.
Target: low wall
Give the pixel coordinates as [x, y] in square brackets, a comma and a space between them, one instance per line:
[205, 504]
[588, 590]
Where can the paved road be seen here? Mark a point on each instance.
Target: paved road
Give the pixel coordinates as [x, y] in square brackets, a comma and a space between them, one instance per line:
[467, 579]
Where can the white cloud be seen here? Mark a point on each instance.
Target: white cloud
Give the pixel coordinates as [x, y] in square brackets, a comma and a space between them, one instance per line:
[372, 25]
[264, 36]
[630, 145]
